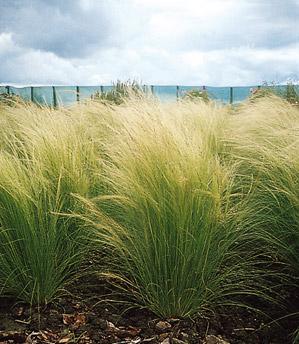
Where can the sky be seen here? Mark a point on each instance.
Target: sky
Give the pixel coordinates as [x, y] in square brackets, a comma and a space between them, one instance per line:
[159, 42]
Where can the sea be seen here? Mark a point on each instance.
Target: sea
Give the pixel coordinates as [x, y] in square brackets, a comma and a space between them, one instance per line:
[67, 95]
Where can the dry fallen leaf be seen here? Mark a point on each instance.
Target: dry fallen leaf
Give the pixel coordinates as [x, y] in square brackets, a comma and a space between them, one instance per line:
[133, 331]
[15, 336]
[121, 331]
[80, 319]
[111, 327]
[65, 339]
[74, 320]
[44, 336]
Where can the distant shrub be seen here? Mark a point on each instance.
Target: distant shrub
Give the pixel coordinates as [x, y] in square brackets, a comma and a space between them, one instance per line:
[119, 92]
[289, 93]
[260, 93]
[197, 95]
[10, 99]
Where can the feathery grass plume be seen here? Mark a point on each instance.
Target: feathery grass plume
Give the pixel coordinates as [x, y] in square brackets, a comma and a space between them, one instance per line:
[58, 140]
[265, 141]
[170, 222]
[49, 155]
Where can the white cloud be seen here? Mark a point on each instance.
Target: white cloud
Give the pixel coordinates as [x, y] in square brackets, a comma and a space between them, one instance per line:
[216, 42]
[6, 43]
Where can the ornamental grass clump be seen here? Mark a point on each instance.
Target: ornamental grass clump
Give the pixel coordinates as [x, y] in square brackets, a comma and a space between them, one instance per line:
[189, 204]
[170, 222]
[37, 255]
[265, 143]
[45, 158]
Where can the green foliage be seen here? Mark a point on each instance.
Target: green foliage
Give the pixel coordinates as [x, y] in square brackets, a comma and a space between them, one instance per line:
[289, 93]
[10, 99]
[292, 94]
[262, 92]
[120, 92]
[197, 95]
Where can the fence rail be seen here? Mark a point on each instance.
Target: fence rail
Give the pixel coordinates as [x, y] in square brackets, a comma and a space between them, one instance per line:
[67, 95]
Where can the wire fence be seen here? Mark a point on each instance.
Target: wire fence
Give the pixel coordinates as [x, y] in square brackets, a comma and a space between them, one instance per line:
[67, 95]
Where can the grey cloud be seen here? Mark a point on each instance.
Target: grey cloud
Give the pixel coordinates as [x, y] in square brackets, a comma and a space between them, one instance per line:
[278, 22]
[61, 27]
[256, 23]
[61, 42]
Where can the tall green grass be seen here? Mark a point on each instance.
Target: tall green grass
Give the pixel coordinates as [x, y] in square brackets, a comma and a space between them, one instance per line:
[171, 223]
[265, 143]
[191, 203]
[38, 249]
[46, 157]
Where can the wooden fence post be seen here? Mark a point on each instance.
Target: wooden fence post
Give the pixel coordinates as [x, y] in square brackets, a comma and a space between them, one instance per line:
[78, 93]
[102, 89]
[177, 92]
[31, 94]
[231, 96]
[152, 89]
[54, 97]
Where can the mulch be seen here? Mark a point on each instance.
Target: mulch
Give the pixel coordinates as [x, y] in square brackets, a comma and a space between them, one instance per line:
[83, 317]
